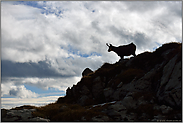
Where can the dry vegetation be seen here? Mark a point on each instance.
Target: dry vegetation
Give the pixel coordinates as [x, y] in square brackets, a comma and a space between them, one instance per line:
[68, 112]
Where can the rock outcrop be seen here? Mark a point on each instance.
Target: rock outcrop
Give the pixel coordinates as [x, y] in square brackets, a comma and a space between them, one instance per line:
[145, 88]
[20, 115]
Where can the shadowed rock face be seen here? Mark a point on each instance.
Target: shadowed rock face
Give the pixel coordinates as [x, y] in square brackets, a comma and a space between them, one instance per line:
[151, 79]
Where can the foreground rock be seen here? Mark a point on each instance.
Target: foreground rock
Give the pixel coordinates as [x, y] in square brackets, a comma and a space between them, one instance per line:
[20, 115]
[143, 112]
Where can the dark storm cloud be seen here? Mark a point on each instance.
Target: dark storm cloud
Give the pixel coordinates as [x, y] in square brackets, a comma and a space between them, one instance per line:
[28, 69]
[13, 92]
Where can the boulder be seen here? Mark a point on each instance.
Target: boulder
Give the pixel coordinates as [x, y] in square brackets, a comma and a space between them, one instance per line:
[107, 93]
[115, 115]
[129, 102]
[100, 118]
[83, 99]
[131, 117]
[86, 72]
[117, 111]
[165, 109]
[21, 115]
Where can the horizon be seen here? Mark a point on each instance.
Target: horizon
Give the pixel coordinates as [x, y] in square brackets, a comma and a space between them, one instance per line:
[47, 44]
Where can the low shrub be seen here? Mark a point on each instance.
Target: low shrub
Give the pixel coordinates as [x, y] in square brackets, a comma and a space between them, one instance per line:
[68, 112]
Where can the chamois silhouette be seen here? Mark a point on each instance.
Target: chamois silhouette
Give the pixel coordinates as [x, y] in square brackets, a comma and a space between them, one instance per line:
[125, 50]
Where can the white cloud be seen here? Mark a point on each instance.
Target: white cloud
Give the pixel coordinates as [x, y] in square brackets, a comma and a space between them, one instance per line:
[14, 86]
[87, 31]
[16, 91]
[9, 103]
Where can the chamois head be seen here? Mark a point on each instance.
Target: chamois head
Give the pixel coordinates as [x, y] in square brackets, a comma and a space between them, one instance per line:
[110, 47]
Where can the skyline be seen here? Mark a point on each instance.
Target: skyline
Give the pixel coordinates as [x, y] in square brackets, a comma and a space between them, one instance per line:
[45, 45]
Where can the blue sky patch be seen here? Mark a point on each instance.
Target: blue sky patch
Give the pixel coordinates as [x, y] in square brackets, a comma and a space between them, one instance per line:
[41, 92]
[47, 11]
[79, 53]
[30, 3]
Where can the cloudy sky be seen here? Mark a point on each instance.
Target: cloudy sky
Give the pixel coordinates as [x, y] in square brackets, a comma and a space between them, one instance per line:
[45, 46]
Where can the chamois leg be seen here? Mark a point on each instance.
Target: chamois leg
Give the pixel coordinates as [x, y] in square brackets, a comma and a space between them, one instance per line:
[122, 57]
[134, 54]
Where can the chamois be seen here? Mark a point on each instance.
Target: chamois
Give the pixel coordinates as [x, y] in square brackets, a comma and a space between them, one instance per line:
[125, 50]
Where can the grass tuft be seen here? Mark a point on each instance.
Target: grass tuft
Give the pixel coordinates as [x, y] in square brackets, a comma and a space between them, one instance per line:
[68, 112]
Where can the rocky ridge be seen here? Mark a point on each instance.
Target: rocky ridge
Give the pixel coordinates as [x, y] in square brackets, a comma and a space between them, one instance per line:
[147, 87]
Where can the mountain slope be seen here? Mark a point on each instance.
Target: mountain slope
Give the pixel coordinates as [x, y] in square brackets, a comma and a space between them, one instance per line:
[148, 72]
[147, 87]
[150, 79]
